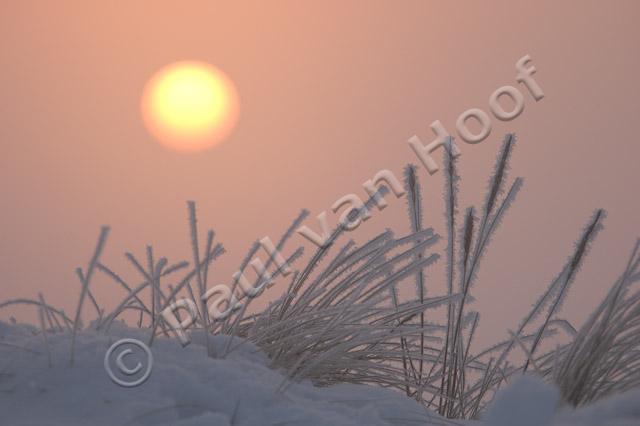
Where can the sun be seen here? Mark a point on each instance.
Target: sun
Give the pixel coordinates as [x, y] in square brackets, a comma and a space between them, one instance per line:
[189, 106]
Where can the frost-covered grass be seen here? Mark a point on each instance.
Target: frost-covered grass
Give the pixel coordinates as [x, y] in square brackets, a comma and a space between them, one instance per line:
[343, 321]
[604, 357]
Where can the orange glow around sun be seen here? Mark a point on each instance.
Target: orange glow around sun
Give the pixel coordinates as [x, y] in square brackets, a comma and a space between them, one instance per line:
[190, 106]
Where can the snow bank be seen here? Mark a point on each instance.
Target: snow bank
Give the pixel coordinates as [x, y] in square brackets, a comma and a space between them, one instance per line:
[186, 388]
[527, 402]
[530, 402]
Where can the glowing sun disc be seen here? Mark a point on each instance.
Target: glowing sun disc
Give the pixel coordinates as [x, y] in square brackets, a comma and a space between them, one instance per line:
[189, 106]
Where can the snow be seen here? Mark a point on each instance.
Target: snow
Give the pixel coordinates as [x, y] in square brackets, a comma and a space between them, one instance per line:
[530, 402]
[527, 402]
[187, 388]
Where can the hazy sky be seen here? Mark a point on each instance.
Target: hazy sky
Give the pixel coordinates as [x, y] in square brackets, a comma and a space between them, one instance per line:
[330, 92]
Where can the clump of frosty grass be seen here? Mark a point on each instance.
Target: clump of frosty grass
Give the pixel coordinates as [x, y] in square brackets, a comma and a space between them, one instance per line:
[342, 319]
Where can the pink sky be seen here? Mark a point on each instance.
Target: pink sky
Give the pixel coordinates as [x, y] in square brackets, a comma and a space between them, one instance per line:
[329, 95]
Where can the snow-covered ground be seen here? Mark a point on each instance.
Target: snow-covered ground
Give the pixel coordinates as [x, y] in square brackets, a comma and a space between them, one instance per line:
[187, 388]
